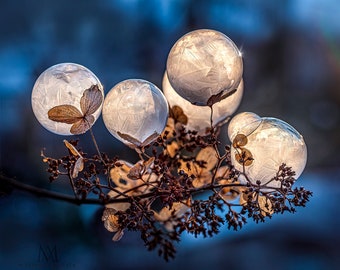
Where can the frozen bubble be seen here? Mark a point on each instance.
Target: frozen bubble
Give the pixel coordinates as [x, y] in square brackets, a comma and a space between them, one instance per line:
[270, 142]
[202, 64]
[67, 99]
[135, 112]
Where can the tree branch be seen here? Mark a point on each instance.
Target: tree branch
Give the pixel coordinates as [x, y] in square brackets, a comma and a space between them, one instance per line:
[40, 192]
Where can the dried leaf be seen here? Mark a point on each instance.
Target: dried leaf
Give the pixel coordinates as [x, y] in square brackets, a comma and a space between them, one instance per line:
[91, 100]
[65, 114]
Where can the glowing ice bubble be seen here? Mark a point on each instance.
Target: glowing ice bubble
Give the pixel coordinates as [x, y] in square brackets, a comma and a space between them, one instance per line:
[202, 64]
[135, 112]
[67, 99]
[199, 116]
[269, 142]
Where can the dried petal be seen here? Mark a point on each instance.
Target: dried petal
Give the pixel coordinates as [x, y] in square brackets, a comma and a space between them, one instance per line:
[265, 205]
[229, 193]
[78, 167]
[244, 156]
[172, 148]
[188, 167]
[148, 163]
[140, 169]
[208, 155]
[72, 149]
[118, 235]
[240, 140]
[65, 114]
[178, 209]
[91, 100]
[243, 198]
[119, 175]
[178, 115]
[136, 171]
[129, 138]
[223, 172]
[203, 178]
[150, 139]
[218, 97]
[81, 126]
[110, 220]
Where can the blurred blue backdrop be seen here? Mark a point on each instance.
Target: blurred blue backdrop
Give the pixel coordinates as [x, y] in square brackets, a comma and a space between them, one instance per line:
[291, 54]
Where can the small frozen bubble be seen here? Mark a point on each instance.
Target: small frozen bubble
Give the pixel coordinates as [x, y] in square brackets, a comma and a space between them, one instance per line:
[67, 99]
[269, 142]
[202, 64]
[135, 112]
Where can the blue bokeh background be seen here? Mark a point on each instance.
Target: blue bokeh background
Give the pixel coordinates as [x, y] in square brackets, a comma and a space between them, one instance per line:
[291, 54]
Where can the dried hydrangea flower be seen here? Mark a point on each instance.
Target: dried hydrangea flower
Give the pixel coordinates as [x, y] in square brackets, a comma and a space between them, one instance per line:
[166, 214]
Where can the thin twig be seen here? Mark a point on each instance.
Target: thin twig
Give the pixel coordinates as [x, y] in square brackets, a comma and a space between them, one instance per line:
[96, 146]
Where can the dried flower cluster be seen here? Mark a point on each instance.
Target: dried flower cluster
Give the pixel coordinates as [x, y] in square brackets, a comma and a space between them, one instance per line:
[183, 182]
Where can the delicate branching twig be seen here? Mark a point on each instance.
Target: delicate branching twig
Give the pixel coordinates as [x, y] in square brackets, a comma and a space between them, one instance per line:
[182, 183]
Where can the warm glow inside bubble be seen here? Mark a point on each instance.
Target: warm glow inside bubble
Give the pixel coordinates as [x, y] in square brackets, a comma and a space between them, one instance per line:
[199, 116]
[204, 63]
[270, 142]
[65, 85]
[135, 112]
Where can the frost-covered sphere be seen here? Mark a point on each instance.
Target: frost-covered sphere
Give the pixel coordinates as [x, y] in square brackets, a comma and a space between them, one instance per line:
[135, 112]
[199, 116]
[204, 63]
[270, 142]
[60, 101]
